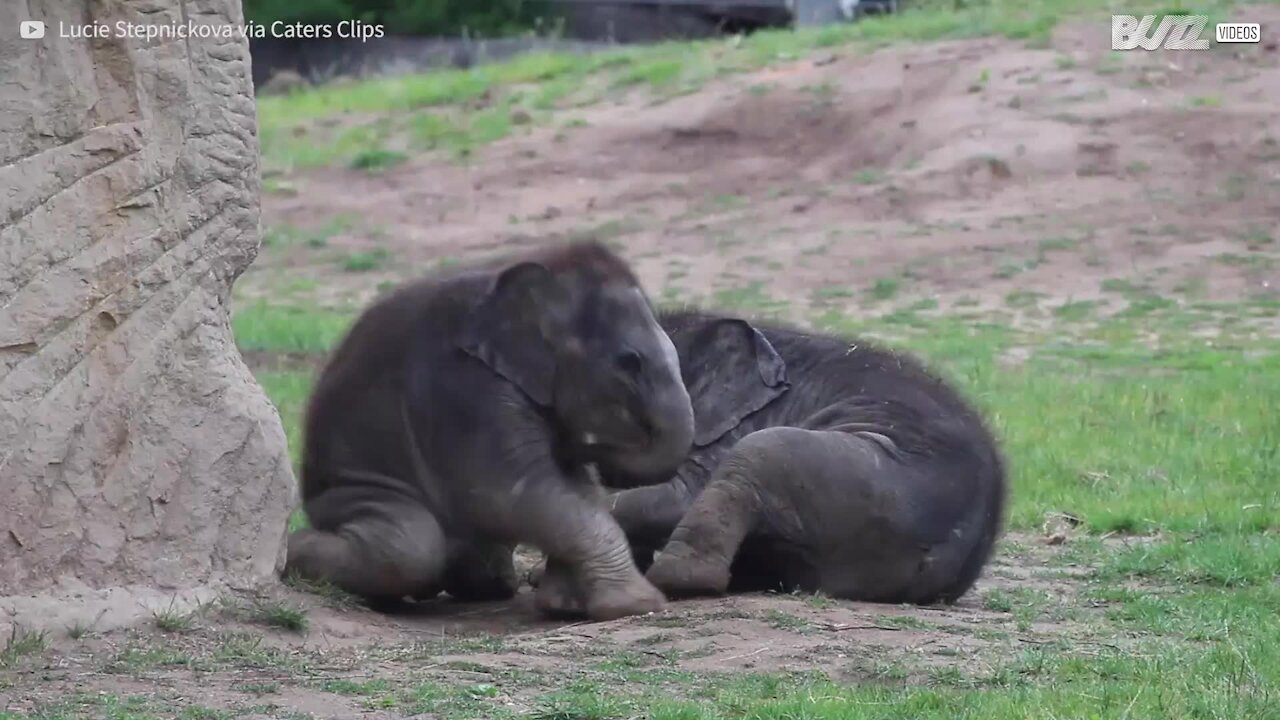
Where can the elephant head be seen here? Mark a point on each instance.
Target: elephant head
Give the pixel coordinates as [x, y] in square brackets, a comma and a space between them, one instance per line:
[579, 337]
[731, 370]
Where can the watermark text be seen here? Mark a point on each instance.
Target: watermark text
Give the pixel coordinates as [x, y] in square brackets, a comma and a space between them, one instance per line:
[1176, 32]
[153, 32]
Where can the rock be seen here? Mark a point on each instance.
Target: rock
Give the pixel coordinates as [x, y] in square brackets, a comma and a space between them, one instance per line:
[140, 462]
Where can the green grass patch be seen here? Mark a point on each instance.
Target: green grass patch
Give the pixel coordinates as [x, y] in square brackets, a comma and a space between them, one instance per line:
[313, 237]
[268, 327]
[374, 159]
[282, 616]
[885, 288]
[20, 644]
[366, 260]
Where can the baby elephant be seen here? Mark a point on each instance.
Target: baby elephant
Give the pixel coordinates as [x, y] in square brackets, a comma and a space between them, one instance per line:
[818, 465]
[457, 416]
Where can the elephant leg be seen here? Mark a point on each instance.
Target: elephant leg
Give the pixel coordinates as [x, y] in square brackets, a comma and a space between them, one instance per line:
[698, 557]
[752, 492]
[573, 527]
[641, 556]
[649, 514]
[479, 572]
[382, 555]
[835, 504]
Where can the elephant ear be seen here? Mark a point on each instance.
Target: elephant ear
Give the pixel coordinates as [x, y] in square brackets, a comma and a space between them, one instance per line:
[516, 325]
[732, 371]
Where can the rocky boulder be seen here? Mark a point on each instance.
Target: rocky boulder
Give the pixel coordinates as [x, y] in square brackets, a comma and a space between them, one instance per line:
[141, 465]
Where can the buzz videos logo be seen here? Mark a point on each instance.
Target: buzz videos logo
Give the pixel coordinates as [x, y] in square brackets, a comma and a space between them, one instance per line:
[31, 29]
[1176, 32]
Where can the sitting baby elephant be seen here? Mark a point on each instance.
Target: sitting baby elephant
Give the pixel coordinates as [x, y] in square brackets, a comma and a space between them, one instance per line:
[818, 465]
[456, 418]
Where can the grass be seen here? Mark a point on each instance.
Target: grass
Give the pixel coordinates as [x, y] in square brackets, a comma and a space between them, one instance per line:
[284, 617]
[20, 644]
[268, 327]
[366, 260]
[173, 621]
[374, 159]
[318, 237]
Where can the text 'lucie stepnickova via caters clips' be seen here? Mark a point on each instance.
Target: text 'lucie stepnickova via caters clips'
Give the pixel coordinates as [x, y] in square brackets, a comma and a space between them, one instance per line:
[190, 29]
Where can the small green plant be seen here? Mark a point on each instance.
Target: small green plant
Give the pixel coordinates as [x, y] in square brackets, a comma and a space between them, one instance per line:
[1118, 285]
[280, 615]
[885, 288]
[365, 261]
[998, 600]
[377, 159]
[171, 620]
[1075, 311]
[868, 176]
[785, 621]
[1256, 238]
[984, 78]
[831, 293]
[819, 601]
[22, 643]
[1022, 298]
[1052, 244]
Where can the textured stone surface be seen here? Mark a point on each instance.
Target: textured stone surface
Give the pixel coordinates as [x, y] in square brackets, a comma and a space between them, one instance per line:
[139, 459]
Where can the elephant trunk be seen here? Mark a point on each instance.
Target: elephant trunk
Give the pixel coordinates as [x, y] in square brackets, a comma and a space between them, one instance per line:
[672, 439]
[671, 425]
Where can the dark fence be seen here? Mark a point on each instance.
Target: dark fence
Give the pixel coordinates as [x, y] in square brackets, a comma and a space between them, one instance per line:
[583, 26]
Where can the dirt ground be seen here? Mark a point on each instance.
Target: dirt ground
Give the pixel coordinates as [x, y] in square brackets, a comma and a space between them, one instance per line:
[960, 172]
[230, 659]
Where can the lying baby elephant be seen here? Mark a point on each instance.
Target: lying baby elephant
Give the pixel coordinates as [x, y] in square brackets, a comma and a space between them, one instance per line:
[817, 466]
[454, 421]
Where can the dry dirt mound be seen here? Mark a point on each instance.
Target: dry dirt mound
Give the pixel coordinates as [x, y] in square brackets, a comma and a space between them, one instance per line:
[973, 169]
[768, 134]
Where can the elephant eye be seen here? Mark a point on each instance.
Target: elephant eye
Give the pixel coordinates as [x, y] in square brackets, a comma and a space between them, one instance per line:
[630, 362]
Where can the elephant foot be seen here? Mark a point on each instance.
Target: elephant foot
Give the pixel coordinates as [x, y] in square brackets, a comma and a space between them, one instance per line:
[639, 597]
[305, 553]
[555, 597]
[679, 573]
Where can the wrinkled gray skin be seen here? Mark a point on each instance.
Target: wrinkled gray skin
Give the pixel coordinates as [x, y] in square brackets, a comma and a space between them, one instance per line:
[455, 420]
[818, 465]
